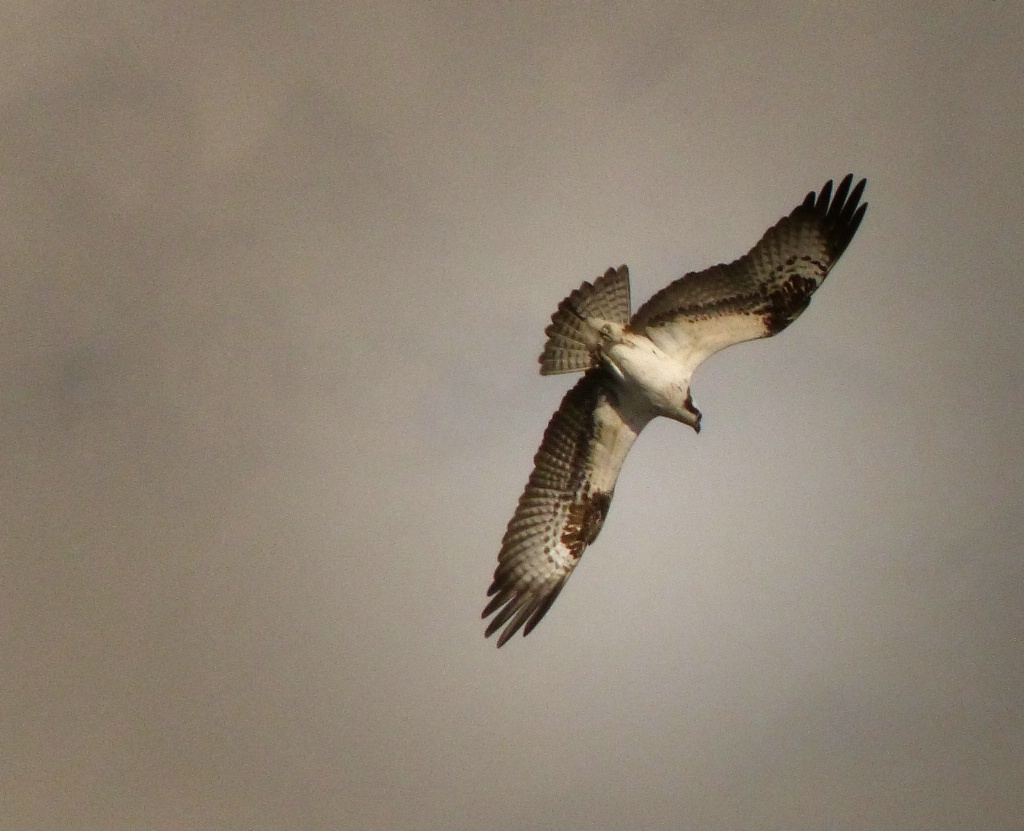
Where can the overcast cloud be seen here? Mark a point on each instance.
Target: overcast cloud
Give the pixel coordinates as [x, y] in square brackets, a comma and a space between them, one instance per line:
[275, 277]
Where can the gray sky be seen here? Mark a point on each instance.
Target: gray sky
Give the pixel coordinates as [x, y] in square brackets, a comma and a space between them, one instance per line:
[275, 278]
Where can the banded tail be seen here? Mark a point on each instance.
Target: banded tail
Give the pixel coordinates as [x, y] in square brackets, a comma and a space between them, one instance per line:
[573, 334]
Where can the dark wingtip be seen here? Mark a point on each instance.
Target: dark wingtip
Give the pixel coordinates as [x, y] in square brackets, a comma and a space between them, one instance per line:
[842, 213]
[843, 190]
[858, 215]
[825, 195]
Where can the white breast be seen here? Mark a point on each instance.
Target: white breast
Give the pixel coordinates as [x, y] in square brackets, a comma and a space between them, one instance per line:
[655, 376]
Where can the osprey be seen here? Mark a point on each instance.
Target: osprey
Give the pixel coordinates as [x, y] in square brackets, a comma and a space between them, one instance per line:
[637, 368]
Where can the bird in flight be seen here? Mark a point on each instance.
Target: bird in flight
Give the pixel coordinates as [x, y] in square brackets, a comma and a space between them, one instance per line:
[637, 368]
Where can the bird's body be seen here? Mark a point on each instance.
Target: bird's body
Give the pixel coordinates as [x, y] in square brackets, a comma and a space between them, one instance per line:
[650, 379]
[637, 368]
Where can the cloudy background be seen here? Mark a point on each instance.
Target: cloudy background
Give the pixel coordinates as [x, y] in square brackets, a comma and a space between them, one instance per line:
[275, 277]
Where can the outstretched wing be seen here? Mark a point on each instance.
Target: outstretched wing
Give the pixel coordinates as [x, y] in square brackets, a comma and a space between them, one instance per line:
[564, 504]
[761, 293]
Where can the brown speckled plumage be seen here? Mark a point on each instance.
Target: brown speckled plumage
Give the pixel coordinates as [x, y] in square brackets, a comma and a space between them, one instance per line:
[638, 368]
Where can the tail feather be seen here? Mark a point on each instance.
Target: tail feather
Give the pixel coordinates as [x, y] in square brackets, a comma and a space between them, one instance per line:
[572, 339]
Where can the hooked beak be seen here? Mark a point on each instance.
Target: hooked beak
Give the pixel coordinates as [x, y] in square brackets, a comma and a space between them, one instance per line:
[693, 411]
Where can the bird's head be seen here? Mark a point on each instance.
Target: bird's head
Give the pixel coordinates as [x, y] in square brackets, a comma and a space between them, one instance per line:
[688, 414]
